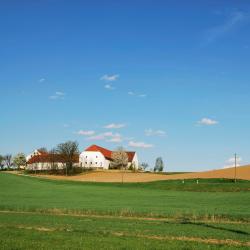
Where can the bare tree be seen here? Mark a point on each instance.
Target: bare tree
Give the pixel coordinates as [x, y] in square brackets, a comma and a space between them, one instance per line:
[144, 165]
[53, 157]
[68, 152]
[1, 161]
[43, 149]
[7, 159]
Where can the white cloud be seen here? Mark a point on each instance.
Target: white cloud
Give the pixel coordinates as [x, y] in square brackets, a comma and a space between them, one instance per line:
[86, 132]
[107, 136]
[131, 93]
[115, 126]
[41, 80]
[140, 144]
[115, 139]
[109, 87]
[59, 93]
[109, 78]
[207, 122]
[235, 19]
[57, 96]
[96, 137]
[151, 132]
[231, 162]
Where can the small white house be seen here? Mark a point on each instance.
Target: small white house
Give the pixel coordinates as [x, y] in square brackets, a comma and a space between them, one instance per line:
[99, 157]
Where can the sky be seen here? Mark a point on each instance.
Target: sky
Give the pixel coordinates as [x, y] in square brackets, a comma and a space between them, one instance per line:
[162, 78]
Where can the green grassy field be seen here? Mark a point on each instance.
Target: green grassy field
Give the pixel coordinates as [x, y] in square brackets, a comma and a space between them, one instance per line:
[45, 214]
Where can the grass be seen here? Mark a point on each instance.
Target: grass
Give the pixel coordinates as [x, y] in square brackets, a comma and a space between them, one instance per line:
[75, 215]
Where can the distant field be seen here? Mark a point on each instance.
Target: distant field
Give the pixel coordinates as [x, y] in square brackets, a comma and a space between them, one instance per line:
[242, 173]
[39, 213]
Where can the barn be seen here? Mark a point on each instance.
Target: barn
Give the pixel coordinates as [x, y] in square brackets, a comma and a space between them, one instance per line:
[99, 157]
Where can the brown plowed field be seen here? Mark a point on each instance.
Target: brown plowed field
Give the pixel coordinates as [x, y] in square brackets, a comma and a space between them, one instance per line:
[242, 172]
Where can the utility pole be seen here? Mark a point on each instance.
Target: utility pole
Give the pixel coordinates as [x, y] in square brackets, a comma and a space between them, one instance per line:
[235, 165]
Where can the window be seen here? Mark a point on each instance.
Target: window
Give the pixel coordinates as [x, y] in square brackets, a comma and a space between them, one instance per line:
[91, 162]
[86, 156]
[85, 162]
[96, 156]
[96, 163]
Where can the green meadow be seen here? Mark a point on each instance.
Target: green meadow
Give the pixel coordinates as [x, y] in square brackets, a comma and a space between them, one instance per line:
[46, 214]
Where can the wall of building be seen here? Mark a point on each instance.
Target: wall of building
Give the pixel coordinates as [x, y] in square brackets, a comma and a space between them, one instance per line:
[92, 159]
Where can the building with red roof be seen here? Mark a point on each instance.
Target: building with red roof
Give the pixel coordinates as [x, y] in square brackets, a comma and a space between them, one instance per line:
[99, 157]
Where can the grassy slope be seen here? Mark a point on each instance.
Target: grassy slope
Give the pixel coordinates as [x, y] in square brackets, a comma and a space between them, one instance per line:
[145, 199]
[43, 230]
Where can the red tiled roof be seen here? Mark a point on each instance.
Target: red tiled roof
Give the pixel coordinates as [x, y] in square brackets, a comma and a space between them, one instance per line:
[108, 153]
[46, 157]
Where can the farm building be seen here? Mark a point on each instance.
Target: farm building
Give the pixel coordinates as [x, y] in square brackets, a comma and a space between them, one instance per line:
[40, 160]
[99, 157]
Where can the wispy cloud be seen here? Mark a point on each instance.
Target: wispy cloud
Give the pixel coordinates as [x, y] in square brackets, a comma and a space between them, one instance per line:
[109, 87]
[57, 96]
[109, 78]
[41, 80]
[231, 162]
[151, 132]
[96, 137]
[234, 20]
[132, 93]
[140, 144]
[107, 136]
[115, 125]
[207, 122]
[86, 132]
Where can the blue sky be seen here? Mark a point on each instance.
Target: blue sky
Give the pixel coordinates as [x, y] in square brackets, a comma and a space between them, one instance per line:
[164, 78]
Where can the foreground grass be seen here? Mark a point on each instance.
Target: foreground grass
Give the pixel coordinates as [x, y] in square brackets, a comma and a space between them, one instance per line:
[36, 231]
[37, 213]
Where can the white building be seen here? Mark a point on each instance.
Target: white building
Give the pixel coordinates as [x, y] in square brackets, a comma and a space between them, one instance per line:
[98, 157]
[40, 160]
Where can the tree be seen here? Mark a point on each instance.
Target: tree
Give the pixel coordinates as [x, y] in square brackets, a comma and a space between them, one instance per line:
[19, 160]
[7, 160]
[1, 161]
[53, 159]
[119, 158]
[159, 165]
[144, 165]
[68, 152]
[43, 149]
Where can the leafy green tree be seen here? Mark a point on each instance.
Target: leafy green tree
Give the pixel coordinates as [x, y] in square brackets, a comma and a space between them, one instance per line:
[68, 152]
[19, 160]
[159, 165]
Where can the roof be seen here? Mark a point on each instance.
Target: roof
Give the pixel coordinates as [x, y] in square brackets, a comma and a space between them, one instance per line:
[108, 153]
[47, 157]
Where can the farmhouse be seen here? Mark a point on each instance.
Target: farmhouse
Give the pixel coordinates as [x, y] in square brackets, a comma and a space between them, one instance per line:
[99, 157]
[40, 160]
